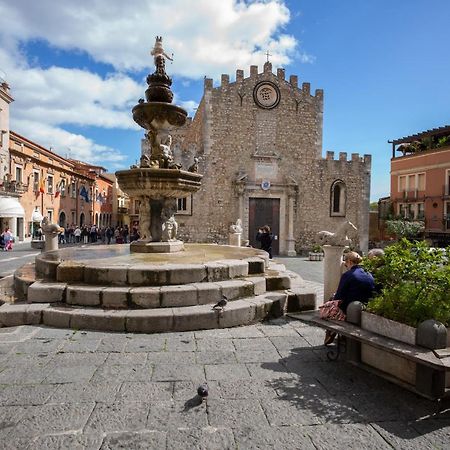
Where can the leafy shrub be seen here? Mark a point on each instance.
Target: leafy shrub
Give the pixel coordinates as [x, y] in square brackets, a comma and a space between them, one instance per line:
[415, 283]
[404, 228]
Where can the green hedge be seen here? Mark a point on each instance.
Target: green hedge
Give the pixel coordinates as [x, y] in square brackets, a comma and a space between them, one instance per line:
[414, 281]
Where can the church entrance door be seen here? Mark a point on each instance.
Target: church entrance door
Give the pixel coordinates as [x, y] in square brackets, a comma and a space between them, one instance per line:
[264, 211]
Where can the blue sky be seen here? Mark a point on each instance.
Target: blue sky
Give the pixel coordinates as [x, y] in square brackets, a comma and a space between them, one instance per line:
[76, 68]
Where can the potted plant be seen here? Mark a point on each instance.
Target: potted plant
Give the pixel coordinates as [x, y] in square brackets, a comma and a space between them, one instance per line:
[316, 253]
[414, 287]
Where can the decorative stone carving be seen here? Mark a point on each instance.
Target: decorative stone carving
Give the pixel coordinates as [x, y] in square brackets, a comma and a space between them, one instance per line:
[237, 227]
[339, 237]
[169, 226]
[235, 235]
[194, 167]
[169, 230]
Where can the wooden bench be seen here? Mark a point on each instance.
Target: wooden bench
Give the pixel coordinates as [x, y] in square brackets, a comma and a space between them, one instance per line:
[431, 368]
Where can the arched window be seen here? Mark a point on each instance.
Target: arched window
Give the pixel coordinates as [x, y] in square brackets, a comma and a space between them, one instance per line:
[338, 199]
[62, 219]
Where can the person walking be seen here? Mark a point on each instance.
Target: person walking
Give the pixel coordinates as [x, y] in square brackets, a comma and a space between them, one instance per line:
[8, 240]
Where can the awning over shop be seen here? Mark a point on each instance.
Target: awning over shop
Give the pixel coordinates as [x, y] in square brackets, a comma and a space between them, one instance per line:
[10, 207]
[36, 216]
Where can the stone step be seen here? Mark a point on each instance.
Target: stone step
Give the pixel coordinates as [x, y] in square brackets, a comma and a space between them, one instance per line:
[239, 312]
[147, 274]
[121, 297]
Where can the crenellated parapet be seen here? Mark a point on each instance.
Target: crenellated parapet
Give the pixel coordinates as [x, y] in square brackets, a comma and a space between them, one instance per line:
[343, 157]
[254, 74]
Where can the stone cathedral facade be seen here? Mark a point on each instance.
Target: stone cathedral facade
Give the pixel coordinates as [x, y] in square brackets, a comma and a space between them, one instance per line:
[259, 143]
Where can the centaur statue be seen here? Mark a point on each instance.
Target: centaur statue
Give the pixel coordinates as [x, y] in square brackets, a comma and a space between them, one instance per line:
[339, 237]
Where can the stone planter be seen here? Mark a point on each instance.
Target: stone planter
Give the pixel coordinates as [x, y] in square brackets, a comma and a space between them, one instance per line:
[391, 329]
[388, 328]
[400, 368]
[313, 256]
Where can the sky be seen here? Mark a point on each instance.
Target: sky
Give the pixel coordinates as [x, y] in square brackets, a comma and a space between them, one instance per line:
[77, 67]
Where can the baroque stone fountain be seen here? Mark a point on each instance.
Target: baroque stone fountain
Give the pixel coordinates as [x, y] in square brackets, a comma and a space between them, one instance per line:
[158, 283]
[158, 181]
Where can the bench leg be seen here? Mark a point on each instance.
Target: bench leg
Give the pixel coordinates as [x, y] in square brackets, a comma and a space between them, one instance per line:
[429, 381]
[353, 350]
[334, 353]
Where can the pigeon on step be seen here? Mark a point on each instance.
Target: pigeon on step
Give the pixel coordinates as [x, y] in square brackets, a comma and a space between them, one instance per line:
[221, 303]
[202, 391]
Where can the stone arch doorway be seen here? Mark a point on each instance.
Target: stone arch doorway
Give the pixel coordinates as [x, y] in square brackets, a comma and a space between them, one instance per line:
[264, 211]
[82, 219]
[62, 219]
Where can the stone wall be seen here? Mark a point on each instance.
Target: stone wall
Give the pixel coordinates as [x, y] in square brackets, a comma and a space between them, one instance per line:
[242, 145]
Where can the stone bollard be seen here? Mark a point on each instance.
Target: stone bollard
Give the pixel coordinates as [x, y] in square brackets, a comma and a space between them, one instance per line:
[332, 269]
[354, 313]
[431, 334]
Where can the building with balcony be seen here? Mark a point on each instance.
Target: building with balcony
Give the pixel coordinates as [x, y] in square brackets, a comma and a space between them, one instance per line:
[420, 181]
[100, 193]
[11, 211]
[49, 186]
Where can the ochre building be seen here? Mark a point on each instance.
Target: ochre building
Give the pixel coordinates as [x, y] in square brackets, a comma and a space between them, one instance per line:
[259, 140]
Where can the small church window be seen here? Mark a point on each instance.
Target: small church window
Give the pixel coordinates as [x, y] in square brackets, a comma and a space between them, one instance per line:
[338, 199]
[184, 206]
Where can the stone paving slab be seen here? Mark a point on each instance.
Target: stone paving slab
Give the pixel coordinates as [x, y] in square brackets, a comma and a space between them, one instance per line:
[269, 384]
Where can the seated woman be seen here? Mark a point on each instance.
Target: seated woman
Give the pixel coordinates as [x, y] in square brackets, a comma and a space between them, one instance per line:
[355, 285]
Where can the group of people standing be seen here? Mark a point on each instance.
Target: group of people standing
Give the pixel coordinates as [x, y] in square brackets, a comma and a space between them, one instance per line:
[86, 234]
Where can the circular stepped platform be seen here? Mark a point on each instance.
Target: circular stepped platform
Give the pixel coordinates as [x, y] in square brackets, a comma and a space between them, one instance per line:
[109, 288]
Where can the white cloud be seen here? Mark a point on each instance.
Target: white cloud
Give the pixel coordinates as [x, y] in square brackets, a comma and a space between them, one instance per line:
[68, 144]
[207, 37]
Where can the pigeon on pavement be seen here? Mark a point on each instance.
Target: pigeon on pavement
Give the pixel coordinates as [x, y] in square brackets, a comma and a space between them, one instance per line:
[221, 303]
[202, 391]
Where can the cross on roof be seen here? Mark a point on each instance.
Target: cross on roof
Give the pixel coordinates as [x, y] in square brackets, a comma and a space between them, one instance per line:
[268, 54]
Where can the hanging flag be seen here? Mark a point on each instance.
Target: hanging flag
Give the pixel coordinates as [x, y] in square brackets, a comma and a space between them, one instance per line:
[58, 189]
[100, 198]
[84, 194]
[42, 185]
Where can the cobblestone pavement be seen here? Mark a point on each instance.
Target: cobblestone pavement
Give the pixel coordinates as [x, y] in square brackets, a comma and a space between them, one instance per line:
[270, 386]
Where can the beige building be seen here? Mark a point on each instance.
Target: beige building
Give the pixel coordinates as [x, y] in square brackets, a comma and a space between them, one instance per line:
[50, 186]
[259, 140]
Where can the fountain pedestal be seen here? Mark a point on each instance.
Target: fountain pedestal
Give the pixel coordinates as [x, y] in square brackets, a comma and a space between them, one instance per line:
[158, 190]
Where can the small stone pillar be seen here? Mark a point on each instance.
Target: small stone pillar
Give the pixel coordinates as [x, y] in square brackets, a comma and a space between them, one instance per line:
[50, 231]
[234, 239]
[51, 241]
[332, 269]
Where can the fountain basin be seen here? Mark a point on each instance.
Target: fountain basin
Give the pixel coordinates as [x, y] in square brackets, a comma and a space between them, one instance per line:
[158, 183]
[159, 115]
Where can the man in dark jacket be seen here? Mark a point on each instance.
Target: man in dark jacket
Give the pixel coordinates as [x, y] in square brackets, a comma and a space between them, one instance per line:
[265, 237]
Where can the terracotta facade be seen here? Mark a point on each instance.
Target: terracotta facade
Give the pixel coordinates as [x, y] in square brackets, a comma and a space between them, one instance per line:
[420, 190]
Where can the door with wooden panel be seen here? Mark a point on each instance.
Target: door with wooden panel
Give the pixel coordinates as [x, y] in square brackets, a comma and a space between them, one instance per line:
[264, 211]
